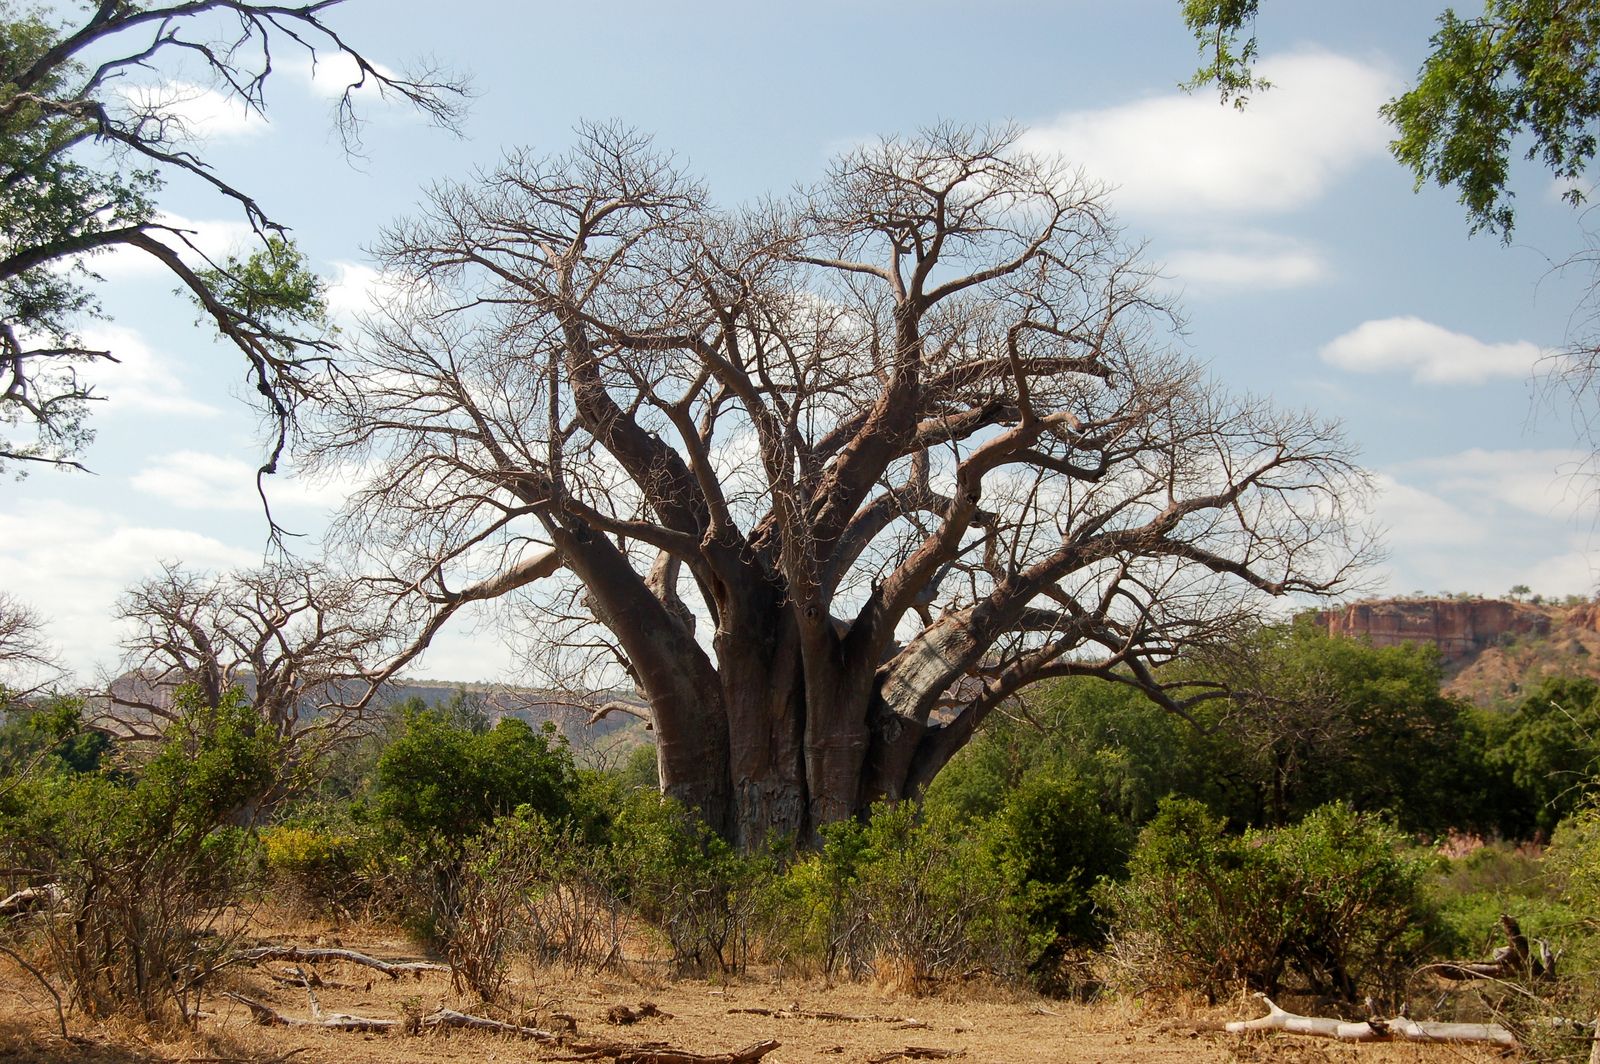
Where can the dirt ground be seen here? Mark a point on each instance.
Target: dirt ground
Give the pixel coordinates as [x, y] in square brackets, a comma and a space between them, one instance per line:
[977, 1024]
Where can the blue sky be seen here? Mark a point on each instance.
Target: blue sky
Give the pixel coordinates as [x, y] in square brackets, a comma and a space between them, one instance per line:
[1308, 269]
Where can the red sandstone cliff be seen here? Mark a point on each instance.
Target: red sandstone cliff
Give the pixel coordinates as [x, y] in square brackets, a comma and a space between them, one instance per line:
[1491, 649]
[1460, 629]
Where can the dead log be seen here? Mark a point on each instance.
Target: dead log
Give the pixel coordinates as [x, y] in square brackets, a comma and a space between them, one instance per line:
[303, 955]
[748, 1055]
[442, 1019]
[916, 1053]
[298, 978]
[1399, 1028]
[649, 1053]
[450, 1018]
[31, 900]
[1514, 960]
[267, 1016]
[832, 1017]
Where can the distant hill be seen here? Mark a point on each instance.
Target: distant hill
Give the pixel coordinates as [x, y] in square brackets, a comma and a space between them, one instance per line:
[1492, 649]
[605, 740]
[602, 742]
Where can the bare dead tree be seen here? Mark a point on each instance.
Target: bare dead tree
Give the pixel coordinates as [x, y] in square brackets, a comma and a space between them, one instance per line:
[28, 662]
[297, 638]
[828, 479]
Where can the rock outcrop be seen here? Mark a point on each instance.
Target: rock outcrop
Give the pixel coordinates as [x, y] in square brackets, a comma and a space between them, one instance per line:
[1460, 628]
[1491, 650]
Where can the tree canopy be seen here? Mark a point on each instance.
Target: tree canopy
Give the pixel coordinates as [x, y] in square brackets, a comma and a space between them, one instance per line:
[92, 123]
[908, 441]
[1523, 71]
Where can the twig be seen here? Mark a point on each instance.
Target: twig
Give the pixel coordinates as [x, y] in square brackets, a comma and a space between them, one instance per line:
[61, 1016]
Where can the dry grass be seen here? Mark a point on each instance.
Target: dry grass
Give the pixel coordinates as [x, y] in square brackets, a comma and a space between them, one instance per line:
[984, 1023]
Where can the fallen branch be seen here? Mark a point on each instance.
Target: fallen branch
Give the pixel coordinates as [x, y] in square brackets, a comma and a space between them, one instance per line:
[650, 1053]
[267, 1016]
[916, 1053]
[834, 1017]
[296, 977]
[449, 1018]
[748, 1055]
[1514, 960]
[1400, 1028]
[32, 900]
[302, 955]
[22, 962]
[442, 1019]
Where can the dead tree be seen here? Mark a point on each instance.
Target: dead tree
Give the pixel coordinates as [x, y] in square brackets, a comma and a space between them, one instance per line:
[28, 663]
[828, 479]
[299, 640]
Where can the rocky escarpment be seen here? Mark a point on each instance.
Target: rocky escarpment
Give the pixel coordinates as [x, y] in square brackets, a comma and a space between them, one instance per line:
[1491, 649]
[1461, 629]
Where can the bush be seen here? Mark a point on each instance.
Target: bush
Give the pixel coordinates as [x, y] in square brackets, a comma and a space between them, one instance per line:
[443, 780]
[1052, 843]
[1575, 860]
[315, 865]
[679, 875]
[903, 898]
[1474, 889]
[500, 868]
[439, 782]
[147, 867]
[1334, 900]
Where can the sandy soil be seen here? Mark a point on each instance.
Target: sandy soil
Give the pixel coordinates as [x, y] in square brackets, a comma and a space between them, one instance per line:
[979, 1024]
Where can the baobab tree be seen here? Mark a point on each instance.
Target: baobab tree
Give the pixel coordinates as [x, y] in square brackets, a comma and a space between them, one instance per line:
[297, 638]
[830, 478]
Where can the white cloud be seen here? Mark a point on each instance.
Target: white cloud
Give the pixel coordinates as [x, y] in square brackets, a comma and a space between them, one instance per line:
[1482, 520]
[140, 379]
[195, 480]
[1431, 353]
[1544, 483]
[358, 289]
[1184, 154]
[1260, 263]
[1412, 516]
[192, 480]
[71, 563]
[331, 74]
[192, 112]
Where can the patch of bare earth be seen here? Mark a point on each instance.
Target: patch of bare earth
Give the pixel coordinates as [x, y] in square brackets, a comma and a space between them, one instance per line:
[811, 1021]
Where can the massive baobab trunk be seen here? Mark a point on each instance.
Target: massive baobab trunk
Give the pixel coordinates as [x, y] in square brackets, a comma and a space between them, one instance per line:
[826, 480]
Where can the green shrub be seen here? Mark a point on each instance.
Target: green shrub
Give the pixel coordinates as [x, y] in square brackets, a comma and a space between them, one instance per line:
[1335, 900]
[438, 782]
[1055, 844]
[1574, 863]
[682, 877]
[1472, 892]
[316, 866]
[148, 862]
[1191, 914]
[1354, 901]
[905, 898]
